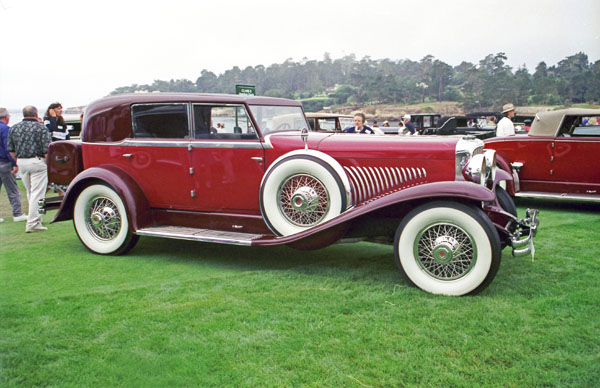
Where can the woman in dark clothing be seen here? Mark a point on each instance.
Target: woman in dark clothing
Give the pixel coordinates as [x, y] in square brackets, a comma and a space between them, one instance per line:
[54, 121]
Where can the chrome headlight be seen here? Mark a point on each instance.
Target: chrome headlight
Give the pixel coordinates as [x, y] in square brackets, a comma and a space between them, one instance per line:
[476, 169]
[490, 161]
[466, 147]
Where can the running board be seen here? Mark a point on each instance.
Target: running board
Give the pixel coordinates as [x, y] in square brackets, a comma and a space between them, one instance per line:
[574, 197]
[195, 234]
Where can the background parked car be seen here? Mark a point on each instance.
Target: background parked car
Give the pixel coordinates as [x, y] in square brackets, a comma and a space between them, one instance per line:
[329, 122]
[558, 158]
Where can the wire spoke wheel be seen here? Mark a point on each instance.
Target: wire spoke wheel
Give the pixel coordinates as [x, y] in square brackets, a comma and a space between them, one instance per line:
[103, 219]
[447, 248]
[445, 251]
[303, 200]
[100, 220]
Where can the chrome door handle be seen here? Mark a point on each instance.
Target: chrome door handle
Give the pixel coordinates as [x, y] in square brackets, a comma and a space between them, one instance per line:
[127, 155]
[257, 158]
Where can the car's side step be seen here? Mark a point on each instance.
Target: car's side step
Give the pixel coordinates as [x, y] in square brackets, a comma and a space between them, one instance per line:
[205, 235]
[575, 197]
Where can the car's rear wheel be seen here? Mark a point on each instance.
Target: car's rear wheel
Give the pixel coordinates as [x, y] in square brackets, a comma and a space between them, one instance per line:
[447, 248]
[100, 220]
[299, 193]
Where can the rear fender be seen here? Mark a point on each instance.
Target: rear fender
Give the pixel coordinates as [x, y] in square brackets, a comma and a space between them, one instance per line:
[138, 209]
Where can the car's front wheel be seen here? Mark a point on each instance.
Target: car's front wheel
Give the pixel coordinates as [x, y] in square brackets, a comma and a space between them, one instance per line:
[447, 248]
[100, 220]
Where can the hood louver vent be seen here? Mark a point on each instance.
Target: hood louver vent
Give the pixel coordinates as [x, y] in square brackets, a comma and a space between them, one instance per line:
[371, 182]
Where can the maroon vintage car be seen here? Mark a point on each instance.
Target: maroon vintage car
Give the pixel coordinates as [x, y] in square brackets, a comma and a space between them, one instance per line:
[244, 170]
[558, 158]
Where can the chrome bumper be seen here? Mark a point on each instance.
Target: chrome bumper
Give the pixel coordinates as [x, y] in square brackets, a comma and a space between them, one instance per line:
[521, 240]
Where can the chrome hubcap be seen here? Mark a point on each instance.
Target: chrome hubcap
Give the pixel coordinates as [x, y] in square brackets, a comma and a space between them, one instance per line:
[103, 220]
[303, 200]
[445, 251]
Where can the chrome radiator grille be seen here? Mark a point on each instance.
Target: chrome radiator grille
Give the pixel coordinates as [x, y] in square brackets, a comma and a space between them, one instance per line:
[371, 182]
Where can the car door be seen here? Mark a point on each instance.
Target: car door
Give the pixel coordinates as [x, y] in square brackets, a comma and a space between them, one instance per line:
[157, 154]
[576, 158]
[226, 159]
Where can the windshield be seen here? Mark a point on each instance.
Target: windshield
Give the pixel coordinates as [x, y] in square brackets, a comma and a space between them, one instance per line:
[278, 118]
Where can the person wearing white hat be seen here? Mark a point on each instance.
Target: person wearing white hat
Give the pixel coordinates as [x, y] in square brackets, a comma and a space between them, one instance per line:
[505, 126]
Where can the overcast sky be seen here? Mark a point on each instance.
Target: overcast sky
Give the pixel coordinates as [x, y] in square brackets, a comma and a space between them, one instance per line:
[75, 51]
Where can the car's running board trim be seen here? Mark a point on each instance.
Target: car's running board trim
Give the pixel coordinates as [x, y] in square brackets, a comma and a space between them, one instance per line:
[577, 197]
[204, 235]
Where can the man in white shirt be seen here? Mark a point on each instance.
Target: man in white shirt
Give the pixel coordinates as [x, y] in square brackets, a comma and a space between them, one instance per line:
[505, 126]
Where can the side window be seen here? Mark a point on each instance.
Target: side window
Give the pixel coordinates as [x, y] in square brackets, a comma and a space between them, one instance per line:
[222, 122]
[327, 124]
[166, 121]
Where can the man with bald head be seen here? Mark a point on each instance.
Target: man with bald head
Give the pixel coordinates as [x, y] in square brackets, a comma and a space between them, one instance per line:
[28, 144]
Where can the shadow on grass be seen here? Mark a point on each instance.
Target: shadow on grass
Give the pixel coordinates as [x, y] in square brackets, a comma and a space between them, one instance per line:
[363, 259]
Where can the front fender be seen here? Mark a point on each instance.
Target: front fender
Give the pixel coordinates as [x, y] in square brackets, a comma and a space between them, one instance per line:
[460, 190]
[504, 163]
[136, 203]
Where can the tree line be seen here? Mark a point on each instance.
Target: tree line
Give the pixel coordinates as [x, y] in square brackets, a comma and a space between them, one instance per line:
[348, 80]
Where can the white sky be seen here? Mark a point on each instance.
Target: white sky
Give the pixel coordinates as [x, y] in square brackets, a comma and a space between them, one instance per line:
[76, 51]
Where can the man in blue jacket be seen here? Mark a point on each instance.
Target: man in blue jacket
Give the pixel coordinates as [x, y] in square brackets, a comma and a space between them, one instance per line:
[8, 169]
[359, 125]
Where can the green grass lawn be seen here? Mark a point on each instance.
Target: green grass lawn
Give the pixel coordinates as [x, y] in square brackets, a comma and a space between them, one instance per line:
[177, 313]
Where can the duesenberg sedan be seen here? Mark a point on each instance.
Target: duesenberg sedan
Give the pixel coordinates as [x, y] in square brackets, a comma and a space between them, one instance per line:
[558, 158]
[245, 170]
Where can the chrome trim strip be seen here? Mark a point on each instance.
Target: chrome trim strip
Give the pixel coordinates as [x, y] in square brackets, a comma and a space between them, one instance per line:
[251, 144]
[371, 181]
[360, 180]
[414, 173]
[399, 175]
[424, 173]
[390, 177]
[565, 196]
[227, 145]
[354, 182]
[377, 179]
[404, 174]
[393, 175]
[366, 181]
[385, 178]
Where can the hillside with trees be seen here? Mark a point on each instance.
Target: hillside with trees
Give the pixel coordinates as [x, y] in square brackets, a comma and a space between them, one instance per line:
[350, 81]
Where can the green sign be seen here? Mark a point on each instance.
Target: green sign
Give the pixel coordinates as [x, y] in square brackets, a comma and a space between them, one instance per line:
[248, 90]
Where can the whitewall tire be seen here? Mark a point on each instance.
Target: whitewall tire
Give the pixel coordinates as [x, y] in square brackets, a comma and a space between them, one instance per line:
[447, 248]
[300, 192]
[100, 220]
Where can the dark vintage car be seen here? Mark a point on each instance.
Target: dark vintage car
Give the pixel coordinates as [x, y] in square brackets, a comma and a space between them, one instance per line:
[558, 158]
[329, 122]
[423, 121]
[459, 125]
[155, 165]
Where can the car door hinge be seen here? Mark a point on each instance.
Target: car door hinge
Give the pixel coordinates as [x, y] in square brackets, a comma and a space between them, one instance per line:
[191, 170]
[552, 158]
[551, 172]
[193, 193]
